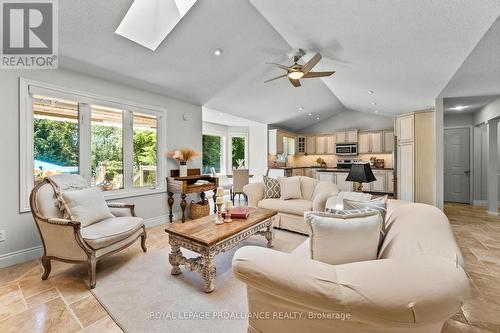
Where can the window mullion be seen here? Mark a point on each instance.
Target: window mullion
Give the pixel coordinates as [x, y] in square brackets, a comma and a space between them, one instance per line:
[128, 150]
[84, 141]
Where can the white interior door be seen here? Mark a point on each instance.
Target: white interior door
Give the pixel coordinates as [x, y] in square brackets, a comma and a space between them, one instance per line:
[457, 165]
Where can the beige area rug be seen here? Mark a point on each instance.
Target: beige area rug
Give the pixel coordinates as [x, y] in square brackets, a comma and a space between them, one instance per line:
[142, 296]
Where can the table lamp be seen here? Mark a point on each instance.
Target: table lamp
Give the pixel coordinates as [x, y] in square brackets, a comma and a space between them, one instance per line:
[359, 174]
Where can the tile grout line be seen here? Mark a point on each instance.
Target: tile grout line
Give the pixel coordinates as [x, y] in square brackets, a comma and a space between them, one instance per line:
[70, 309]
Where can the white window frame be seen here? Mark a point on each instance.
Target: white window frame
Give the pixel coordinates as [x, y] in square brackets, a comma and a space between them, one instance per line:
[223, 154]
[230, 148]
[85, 99]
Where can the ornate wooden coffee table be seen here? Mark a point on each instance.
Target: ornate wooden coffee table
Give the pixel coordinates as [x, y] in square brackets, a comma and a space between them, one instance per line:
[208, 239]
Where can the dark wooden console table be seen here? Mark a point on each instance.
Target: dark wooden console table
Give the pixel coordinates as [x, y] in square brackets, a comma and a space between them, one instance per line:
[187, 185]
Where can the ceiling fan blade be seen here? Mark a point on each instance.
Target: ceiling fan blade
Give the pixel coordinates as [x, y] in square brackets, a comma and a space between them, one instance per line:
[279, 65]
[311, 63]
[275, 78]
[296, 83]
[317, 74]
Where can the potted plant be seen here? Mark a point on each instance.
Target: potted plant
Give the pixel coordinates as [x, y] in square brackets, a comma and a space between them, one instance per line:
[183, 155]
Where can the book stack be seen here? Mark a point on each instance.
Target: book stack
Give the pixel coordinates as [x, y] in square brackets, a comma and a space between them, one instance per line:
[238, 213]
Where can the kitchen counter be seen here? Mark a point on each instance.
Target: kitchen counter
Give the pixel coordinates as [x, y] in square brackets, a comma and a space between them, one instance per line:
[302, 167]
[347, 170]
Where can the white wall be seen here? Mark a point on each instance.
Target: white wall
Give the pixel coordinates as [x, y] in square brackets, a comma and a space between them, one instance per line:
[21, 233]
[460, 119]
[489, 111]
[351, 119]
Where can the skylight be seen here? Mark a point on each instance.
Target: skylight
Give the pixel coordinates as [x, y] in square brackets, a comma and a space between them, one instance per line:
[148, 22]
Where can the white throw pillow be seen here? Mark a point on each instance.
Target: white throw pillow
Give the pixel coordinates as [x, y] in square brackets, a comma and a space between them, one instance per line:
[86, 206]
[344, 236]
[336, 202]
[379, 204]
[290, 188]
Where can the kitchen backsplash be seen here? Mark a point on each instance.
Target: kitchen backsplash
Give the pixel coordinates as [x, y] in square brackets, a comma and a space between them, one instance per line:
[331, 160]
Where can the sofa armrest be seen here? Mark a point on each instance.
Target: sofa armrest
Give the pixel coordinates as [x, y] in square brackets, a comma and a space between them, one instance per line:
[63, 222]
[390, 292]
[254, 193]
[119, 209]
[320, 199]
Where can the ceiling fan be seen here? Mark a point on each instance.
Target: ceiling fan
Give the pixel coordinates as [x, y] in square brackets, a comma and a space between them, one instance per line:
[298, 71]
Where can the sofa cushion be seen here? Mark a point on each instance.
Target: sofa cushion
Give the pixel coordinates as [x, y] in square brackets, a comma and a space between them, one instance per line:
[295, 206]
[290, 188]
[379, 204]
[344, 237]
[307, 186]
[86, 206]
[336, 202]
[271, 187]
[111, 230]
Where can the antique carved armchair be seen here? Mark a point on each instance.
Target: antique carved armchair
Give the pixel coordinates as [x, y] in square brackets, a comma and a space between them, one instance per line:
[69, 241]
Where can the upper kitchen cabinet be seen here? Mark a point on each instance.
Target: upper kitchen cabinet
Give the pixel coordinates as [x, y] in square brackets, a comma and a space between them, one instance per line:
[405, 130]
[280, 142]
[311, 145]
[376, 142]
[348, 136]
[301, 145]
[363, 142]
[388, 141]
[330, 144]
[321, 143]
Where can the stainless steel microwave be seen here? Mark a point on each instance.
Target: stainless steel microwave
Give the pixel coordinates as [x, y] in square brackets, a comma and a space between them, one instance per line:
[346, 149]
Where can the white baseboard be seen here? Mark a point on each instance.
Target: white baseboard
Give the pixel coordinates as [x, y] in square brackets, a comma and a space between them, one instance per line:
[17, 257]
[20, 256]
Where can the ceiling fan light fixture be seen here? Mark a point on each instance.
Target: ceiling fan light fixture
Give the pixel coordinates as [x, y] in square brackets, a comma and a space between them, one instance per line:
[295, 75]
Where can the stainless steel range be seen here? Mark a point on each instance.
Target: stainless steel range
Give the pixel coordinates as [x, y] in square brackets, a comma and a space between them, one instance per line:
[346, 163]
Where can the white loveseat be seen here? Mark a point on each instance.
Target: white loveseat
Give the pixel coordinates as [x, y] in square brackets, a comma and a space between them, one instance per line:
[415, 285]
[291, 212]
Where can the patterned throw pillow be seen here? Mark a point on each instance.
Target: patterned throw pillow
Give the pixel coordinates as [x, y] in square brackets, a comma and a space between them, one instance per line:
[271, 188]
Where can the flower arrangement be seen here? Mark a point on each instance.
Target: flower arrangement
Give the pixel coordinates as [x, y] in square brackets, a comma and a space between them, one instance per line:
[320, 161]
[183, 155]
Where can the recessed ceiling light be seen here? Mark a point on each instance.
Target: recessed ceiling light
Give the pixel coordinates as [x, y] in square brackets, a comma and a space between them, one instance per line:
[218, 52]
[301, 108]
[374, 103]
[309, 114]
[370, 91]
[317, 118]
[458, 107]
[376, 111]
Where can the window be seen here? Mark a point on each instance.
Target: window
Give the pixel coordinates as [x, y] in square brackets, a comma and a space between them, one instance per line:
[213, 153]
[239, 151]
[55, 137]
[145, 149]
[106, 148]
[114, 144]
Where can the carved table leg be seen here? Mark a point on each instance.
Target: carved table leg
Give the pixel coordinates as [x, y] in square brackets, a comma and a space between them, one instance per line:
[183, 206]
[174, 257]
[215, 200]
[270, 234]
[170, 205]
[208, 272]
[46, 267]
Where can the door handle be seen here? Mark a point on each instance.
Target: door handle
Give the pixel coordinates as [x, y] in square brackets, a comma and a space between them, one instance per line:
[467, 172]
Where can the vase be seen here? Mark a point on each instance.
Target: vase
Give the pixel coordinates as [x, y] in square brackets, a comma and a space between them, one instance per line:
[183, 172]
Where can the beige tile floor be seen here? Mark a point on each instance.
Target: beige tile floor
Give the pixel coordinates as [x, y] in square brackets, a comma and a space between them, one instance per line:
[64, 304]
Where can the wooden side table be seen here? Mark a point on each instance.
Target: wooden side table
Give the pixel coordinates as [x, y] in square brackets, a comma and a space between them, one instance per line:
[187, 185]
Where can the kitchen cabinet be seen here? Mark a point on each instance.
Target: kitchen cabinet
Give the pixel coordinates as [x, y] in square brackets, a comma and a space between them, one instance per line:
[330, 144]
[416, 157]
[349, 136]
[321, 145]
[338, 178]
[379, 185]
[364, 143]
[388, 141]
[311, 145]
[405, 128]
[280, 142]
[301, 145]
[308, 172]
[389, 178]
[375, 140]
[298, 172]
[326, 176]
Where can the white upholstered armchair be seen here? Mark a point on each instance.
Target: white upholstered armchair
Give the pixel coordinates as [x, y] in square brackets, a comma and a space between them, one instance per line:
[68, 240]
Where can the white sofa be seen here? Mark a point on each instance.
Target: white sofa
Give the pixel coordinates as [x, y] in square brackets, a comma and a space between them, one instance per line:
[291, 212]
[417, 283]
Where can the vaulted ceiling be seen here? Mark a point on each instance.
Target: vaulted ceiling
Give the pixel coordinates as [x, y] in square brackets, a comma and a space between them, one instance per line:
[405, 51]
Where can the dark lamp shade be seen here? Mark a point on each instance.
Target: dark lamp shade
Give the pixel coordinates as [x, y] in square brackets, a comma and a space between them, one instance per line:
[361, 173]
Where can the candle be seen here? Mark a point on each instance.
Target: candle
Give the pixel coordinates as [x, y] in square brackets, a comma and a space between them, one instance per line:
[229, 204]
[220, 191]
[219, 200]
